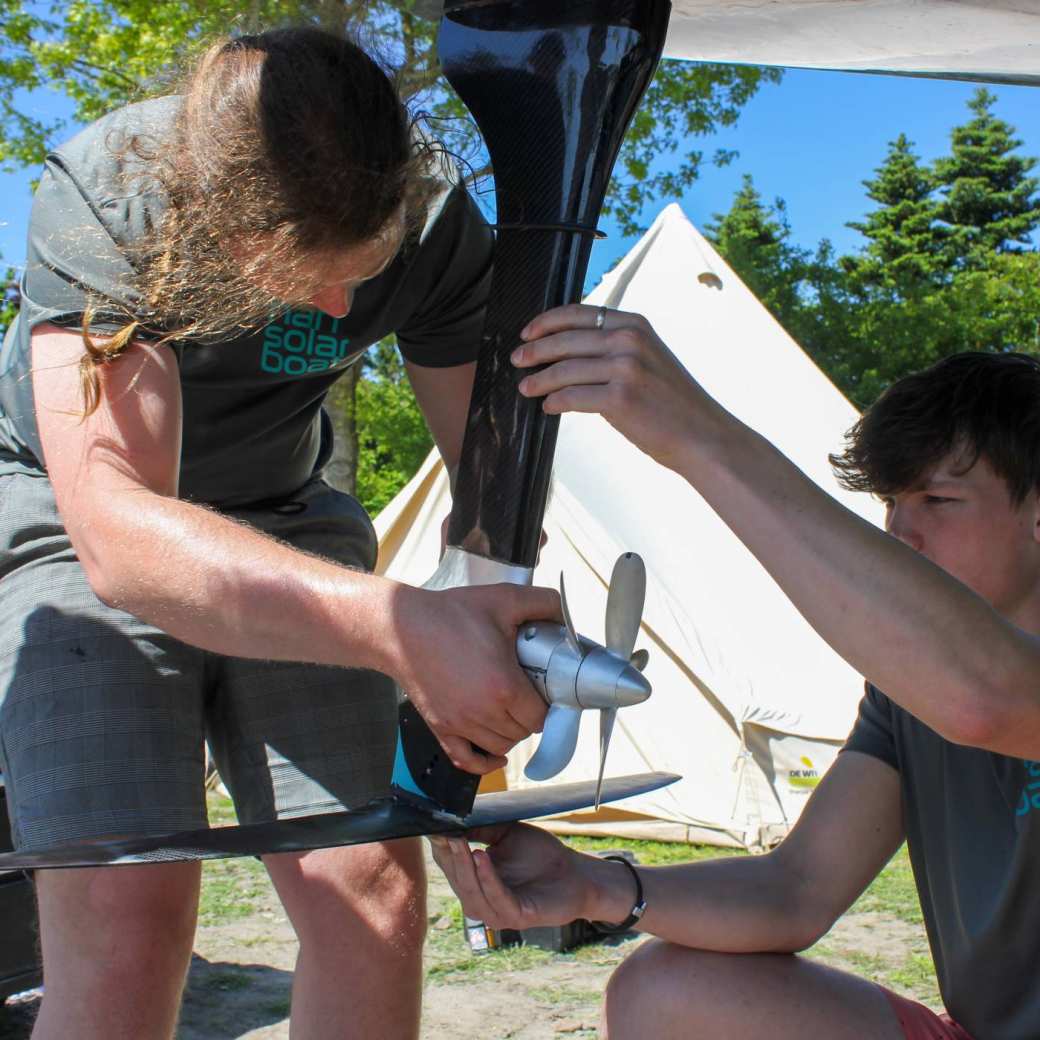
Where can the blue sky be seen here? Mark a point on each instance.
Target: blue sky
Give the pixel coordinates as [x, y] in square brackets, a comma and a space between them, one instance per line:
[814, 137]
[811, 140]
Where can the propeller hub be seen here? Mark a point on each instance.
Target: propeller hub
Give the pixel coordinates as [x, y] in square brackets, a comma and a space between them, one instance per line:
[607, 681]
[574, 674]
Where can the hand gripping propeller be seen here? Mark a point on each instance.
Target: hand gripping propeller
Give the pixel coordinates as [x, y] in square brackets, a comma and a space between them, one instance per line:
[574, 674]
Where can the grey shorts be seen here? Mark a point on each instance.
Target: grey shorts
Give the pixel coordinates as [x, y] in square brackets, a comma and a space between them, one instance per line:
[103, 718]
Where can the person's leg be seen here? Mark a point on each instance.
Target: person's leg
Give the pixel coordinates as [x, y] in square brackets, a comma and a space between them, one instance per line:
[673, 993]
[101, 734]
[360, 915]
[295, 740]
[116, 947]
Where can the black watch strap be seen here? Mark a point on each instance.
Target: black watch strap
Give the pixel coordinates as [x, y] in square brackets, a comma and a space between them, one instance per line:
[638, 908]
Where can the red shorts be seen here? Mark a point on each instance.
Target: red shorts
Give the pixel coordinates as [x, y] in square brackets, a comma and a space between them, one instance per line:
[919, 1023]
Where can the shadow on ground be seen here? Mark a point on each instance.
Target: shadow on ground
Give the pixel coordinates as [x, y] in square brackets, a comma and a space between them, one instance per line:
[222, 1001]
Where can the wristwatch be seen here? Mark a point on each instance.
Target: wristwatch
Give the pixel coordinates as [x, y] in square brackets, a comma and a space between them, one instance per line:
[638, 909]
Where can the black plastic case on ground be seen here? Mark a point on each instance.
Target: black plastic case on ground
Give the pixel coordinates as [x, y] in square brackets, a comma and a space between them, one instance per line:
[19, 961]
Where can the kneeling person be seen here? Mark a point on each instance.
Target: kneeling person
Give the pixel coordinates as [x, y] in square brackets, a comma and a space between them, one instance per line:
[954, 452]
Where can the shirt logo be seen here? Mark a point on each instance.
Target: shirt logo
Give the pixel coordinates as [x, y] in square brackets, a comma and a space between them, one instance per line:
[303, 341]
[1030, 798]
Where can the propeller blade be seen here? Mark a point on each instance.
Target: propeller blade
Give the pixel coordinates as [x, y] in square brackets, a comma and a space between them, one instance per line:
[572, 635]
[625, 604]
[639, 659]
[559, 739]
[606, 727]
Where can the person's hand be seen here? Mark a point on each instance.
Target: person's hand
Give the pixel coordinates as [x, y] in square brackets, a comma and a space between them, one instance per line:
[460, 669]
[525, 877]
[620, 369]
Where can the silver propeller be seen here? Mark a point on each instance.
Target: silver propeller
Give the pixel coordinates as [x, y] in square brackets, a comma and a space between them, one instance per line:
[606, 727]
[572, 634]
[625, 604]
[625, 599]
[559, 739]
[575, 674]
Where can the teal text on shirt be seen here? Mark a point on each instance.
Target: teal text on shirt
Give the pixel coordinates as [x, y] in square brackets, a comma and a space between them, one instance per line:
[1030, 798]
[301, 342]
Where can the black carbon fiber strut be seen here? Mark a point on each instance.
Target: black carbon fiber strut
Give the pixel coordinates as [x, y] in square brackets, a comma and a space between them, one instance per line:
[552, 86]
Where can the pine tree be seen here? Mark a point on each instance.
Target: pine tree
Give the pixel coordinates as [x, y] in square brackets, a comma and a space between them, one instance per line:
[989, 201]
[904, 253]
[755, 241]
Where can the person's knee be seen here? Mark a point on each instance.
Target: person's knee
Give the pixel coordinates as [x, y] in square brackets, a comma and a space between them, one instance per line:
[658, 984]
[396, 885]
[378, 888]
[630, 987]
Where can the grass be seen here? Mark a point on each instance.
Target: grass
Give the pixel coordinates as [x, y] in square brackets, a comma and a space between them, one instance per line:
[563, 995]
[653, 853]
[232, 889]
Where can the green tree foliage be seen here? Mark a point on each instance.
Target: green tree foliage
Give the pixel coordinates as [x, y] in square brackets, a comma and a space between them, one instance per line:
[686, 100]
[989, 201]
[394, 438]
[945, 266]
[876, 315]
[904, 253]
[103, 53]
[755, 240]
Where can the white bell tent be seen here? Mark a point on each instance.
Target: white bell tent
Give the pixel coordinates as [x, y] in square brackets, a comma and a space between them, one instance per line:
[749, 705]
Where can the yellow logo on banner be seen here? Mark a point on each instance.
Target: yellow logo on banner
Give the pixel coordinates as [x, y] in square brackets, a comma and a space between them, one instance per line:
[807, 777]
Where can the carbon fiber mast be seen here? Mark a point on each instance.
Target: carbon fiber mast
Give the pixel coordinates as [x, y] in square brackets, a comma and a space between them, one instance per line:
[552, 87]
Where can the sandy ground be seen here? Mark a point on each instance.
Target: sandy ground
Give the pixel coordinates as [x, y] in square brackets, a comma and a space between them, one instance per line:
[240, 979]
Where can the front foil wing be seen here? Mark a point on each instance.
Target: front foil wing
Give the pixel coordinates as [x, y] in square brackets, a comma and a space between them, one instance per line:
[381, 820]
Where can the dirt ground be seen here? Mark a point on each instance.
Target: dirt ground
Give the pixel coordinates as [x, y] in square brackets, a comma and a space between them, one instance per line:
[241, 973]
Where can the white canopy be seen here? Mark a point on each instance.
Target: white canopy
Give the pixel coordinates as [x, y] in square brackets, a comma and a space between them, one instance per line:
[749, 704]
[972, 39]
[989, 39]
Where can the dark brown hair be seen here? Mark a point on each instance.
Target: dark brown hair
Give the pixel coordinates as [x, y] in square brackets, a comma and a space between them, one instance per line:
[293, 138]
[979, 404]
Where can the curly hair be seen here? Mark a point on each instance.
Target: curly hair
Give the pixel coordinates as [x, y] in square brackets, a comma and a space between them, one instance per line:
[293, 138]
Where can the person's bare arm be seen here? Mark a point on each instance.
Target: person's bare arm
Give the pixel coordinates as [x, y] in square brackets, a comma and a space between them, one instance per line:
[443, 395]
[932, 645]
[786, 900]
[780, 902]
[223, 586]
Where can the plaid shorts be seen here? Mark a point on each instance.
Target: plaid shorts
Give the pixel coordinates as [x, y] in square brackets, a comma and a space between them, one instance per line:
[103, 718]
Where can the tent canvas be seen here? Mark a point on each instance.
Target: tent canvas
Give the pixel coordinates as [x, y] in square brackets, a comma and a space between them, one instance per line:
[749, 704]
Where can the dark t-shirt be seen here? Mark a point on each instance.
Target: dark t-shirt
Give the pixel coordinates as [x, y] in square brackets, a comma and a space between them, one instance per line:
[253, 425]
[973, 831]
